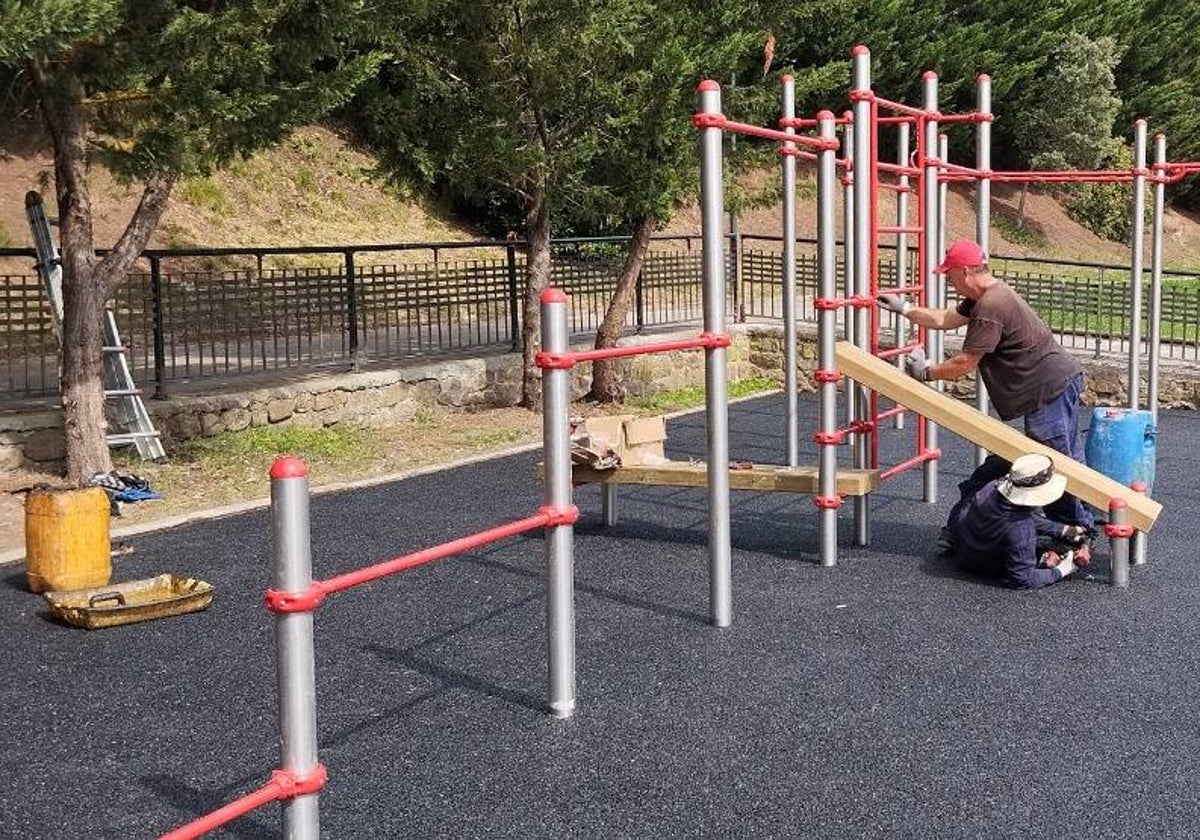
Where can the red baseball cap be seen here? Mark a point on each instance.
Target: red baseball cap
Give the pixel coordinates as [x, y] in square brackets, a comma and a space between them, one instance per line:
[962, 254]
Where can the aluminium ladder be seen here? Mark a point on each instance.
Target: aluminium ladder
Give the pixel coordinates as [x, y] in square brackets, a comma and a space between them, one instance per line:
[128, 410]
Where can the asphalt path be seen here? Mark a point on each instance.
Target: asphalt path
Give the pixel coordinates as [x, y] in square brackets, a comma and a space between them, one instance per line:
[890, 696]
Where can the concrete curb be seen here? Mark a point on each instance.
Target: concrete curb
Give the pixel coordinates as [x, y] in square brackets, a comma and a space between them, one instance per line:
[17, 555]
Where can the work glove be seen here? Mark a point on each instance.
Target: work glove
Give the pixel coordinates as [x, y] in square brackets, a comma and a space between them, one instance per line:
[1066, 566]
[917, 365]
[894, 302]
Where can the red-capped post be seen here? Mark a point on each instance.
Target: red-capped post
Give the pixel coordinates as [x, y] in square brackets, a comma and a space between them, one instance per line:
[560, 538]
[292, 554]
[1119, 531]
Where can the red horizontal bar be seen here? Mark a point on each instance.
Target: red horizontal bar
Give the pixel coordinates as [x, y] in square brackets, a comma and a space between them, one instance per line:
[284, 784]
[901, 108]
[973, 117]
[931, 455]
[893, 352]
[896, 120]
[891, 412]
[774, 134]
[898, 169]
[704, 341]
[900, 229]
[437, 552]
[809, 122]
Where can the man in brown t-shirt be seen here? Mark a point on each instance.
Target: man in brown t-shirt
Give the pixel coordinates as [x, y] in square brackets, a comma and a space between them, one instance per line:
[1027, 373]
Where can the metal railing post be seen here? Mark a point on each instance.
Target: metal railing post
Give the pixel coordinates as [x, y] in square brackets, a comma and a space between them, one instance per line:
[158, 315]
[514, 299]
[352, 308]
[292, 554]
[639, 304]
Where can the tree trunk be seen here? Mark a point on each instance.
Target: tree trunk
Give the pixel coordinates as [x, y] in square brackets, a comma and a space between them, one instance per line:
[87, 283]
[537, 278]
[606, 385]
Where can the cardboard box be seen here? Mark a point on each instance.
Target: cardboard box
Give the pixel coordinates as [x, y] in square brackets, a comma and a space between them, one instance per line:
[644, 441]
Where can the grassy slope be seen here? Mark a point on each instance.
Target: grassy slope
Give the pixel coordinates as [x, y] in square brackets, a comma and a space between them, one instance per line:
[317, 189]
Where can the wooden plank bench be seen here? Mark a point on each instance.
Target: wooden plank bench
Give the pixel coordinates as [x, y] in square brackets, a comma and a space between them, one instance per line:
[764, 478]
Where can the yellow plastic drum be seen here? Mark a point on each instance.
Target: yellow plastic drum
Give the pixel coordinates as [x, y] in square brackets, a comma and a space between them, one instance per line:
[67, 539]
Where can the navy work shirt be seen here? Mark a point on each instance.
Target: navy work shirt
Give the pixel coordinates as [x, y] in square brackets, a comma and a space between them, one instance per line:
[994, 537]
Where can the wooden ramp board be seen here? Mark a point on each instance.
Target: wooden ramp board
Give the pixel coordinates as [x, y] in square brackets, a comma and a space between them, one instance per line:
[1093, 487]
[767, 478]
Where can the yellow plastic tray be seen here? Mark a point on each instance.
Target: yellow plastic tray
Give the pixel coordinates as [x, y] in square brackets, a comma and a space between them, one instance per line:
[130, 602]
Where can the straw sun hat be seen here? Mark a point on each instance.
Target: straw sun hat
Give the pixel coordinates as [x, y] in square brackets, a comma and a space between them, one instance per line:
[1032, 482]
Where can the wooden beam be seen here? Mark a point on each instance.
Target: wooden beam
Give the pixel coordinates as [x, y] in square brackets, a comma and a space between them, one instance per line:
[1093, 487]
[766, 478]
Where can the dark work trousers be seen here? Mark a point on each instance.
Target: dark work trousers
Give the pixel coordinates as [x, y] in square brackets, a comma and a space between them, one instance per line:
[1056, 424]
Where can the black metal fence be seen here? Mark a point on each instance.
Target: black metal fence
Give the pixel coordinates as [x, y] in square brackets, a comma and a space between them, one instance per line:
[183, 322]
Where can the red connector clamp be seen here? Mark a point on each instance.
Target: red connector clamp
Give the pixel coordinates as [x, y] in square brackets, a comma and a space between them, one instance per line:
[862, 427]
[1118, 531]
[559, 516]
[712, 340]
[827, 502]
[862, 96]
[829, 438]
[828, 303]
[554, 361]
[292, 602]
[821, 375]
[292, 785]
[709, 120]
[861, 301]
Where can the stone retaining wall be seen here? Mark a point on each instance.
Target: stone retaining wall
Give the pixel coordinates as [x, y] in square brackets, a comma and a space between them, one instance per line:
[33, 440]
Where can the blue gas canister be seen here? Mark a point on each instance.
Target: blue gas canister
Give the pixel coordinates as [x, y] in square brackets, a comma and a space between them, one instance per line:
[1121, 444]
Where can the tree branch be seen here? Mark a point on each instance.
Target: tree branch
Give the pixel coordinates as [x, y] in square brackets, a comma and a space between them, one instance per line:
[137, 233]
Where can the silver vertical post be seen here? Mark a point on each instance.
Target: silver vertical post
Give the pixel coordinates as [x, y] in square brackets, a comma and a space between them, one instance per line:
[292, 557]
[560, 539]
[1136, 264]
[943, 192]
[712, 203]
[1156, 268]
[1118, 518]
[851, 413]
[899, 322]
[864, 133]
[983, 210]
[1138, 550]
[826, 500]
[789, 276]
[935, 284]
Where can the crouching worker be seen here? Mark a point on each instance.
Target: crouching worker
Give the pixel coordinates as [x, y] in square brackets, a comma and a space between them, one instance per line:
[1001, 531]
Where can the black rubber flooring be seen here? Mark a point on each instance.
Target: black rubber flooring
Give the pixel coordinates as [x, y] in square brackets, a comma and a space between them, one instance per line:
[887, 697]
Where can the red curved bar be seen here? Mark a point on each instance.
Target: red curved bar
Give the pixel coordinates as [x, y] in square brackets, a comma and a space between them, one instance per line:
[284, 784]
[705, 341]
[927, 455]
[719, 121]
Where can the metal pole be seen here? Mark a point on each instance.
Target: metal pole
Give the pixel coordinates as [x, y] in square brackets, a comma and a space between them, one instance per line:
[935, 284]
[848, 243]
[789, 277]
[1118, 540]
[826, 499]
[1156, 267]
[352, 308]
[514, 300]
[1139, 537]
[1136, 264]
[864, 202]
[983, 211]
[712, 203]
[899, 322]
[160, 344]
[292, 554]
[560, 539]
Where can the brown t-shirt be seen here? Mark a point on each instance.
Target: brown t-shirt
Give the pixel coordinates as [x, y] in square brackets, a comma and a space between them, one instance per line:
[1022, 365]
